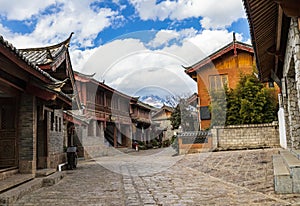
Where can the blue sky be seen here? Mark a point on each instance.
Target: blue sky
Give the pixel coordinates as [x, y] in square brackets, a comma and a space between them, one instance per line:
[130, 44]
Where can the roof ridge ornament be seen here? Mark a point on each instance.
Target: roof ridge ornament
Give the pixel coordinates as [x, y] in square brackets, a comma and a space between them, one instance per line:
[65, 43]
[234, 42]
[49, 56]
[56, 86]
[68, 40]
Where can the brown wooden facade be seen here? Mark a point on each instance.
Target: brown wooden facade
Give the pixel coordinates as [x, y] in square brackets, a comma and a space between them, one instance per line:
[115, 119]
[142, 127]
[53, 127]
[108, 113]
[45, 107]
[162, 118]
[222, 67]
[31, 117]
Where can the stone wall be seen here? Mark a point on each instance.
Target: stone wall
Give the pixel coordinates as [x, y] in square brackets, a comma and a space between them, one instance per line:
[246, 136]
[291, 86]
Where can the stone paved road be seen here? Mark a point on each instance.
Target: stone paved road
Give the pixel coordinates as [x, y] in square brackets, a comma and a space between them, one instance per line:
[156, 177]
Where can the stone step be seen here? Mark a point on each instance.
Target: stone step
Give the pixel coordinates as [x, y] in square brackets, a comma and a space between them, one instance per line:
[11, 196]
[52, 179]
[7, 172]
[290, 160]
[45, 172]
[282, 178]
[293, 164]
[14, 181]
[296, 153]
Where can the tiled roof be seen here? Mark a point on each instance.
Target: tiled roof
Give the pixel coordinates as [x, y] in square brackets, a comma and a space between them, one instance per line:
[265, 20]
[229, 47]
[89, 78]
[45, 55]
[54, 84]
[25, 59]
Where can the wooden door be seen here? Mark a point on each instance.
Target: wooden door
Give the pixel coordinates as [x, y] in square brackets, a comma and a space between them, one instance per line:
[42, 142]
[8, 133]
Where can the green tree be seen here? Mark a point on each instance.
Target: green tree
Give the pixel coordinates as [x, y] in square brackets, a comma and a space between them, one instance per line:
[176, 117]
[249, 103]
[218, 107]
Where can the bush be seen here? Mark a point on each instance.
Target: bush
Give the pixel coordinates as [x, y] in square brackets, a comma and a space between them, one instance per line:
[154, 143]
[166, 143]
[249, 103]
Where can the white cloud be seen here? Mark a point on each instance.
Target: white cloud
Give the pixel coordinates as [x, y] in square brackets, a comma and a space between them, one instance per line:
[72, 16]
[215, 14]
[127, 65]
[20, 10]
[79, 58]
[210, 40]
[162, 38]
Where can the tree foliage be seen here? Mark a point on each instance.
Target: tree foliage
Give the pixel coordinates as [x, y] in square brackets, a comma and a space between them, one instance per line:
[176, 117]
[249, 103]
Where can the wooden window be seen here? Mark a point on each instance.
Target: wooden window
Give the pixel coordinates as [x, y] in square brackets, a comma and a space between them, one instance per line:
[100, 98]
[108, 101]
[217, 82]
[59, 124]
[115, 103]
[7, 117]
[56, 124]
[52, 121]
[204, 113]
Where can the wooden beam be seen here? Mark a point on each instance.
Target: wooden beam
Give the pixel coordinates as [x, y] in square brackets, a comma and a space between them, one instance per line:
[41, 93]
[22, 64]
[11, 84]
[291, 8]
[278, 36]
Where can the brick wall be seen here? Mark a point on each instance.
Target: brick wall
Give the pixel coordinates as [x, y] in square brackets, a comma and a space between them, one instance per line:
[246, 136]
[27, 133]
[56, 139]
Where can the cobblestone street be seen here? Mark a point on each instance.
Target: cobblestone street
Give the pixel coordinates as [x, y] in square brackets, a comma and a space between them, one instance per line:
[157, 177]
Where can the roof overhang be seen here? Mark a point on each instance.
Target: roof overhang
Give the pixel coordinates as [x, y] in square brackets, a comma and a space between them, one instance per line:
[231, 47]
[269, 29]
[291, 8]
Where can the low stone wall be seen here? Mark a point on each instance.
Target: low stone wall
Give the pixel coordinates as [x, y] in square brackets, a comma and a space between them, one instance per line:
[246, 136]
[195, 147]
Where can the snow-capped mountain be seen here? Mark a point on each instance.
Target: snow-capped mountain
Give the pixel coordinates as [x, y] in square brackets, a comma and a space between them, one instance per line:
[155, 101]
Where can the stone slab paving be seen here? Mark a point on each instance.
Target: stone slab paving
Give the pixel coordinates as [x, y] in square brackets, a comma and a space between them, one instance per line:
[90, 184]
[160, 178]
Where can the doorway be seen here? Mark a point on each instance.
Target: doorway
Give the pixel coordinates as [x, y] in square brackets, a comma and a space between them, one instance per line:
[42, 140]
[8, 133]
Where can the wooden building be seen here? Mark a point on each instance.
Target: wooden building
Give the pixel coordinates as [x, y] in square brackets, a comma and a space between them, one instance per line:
[52, 133]
[108, 112]
[31, 117]
[115, 119]
[140, 114]
[223, 67]
[162, 118]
